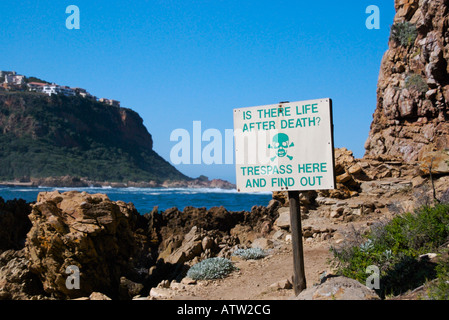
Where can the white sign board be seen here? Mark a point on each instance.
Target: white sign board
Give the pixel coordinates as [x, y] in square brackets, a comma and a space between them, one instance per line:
[285, 146]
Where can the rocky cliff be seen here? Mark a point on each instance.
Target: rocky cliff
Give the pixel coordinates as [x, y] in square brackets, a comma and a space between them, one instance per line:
[413, 87]
[58, 136]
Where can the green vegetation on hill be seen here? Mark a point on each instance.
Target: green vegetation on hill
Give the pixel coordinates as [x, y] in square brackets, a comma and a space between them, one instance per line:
[55, 136]
[34, 79]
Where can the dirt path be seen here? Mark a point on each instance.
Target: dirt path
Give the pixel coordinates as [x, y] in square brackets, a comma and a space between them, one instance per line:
[255, 278]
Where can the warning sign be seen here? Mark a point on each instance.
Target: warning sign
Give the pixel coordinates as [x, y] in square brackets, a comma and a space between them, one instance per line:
[286, 146]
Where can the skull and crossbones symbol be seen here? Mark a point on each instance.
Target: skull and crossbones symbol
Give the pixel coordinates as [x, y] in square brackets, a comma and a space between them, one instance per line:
[281, 143]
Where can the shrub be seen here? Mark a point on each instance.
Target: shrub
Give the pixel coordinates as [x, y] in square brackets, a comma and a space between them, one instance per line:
[416, 81]
[404, 33]
[394, 247]
[440, 289]
[250, 254]
[211, 269]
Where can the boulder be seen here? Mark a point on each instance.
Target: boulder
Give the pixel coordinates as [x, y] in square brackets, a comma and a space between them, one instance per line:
[98, 296]
[437, 161]
[173, 222]
[129, 289]
[262, 243]
[16, 280]
[339, 288]
[284, 284]
[306, 198]
[283, 222]
[89, 232]
[348, 172]
[161, 293]
[190, 247]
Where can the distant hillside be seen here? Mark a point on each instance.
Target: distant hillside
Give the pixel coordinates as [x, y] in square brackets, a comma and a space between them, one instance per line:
[52, 136]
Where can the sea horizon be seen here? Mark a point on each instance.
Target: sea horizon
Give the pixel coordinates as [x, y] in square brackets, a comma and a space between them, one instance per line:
[145, 199]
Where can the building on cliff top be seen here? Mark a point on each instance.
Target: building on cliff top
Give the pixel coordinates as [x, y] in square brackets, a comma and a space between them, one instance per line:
[110, 102]
[36, 86]
[10, 80]
[57, 89]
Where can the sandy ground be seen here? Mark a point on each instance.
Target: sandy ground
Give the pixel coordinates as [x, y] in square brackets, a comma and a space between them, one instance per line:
[255, 279]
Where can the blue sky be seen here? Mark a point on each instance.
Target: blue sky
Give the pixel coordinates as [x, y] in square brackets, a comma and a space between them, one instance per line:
[175, 62]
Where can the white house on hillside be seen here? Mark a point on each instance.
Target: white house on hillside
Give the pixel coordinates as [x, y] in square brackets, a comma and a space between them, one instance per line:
[36, 86]
[110, 102]
[15, 79]
[56, 89]
[50, 89]
[12, 78]
[67, 91]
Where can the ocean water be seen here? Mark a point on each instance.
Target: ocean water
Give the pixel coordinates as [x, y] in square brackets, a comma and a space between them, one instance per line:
[144, 199]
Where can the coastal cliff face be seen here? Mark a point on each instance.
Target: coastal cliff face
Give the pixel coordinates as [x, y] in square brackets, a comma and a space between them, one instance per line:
[57, 136]
[413, 88]
[31, 114]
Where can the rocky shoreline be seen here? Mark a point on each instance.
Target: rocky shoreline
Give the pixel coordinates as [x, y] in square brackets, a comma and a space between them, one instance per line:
[119, 252]
[123, 255]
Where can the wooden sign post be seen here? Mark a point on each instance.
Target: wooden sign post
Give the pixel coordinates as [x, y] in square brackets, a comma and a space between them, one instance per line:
[286, 147]
[299, 276]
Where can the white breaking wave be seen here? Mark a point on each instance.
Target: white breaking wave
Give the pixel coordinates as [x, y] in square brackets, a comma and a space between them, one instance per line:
[130, 190]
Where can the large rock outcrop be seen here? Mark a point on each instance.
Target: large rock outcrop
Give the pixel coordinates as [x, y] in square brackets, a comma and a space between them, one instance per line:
[172, 223]
[413, 87]
[185, 237]
[89, 232]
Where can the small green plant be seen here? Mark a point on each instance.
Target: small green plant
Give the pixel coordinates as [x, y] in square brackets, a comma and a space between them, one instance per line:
[388, 254]
[417, 82]
[404, 33]
[367, 246]
[250, 254]
[211, 269]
